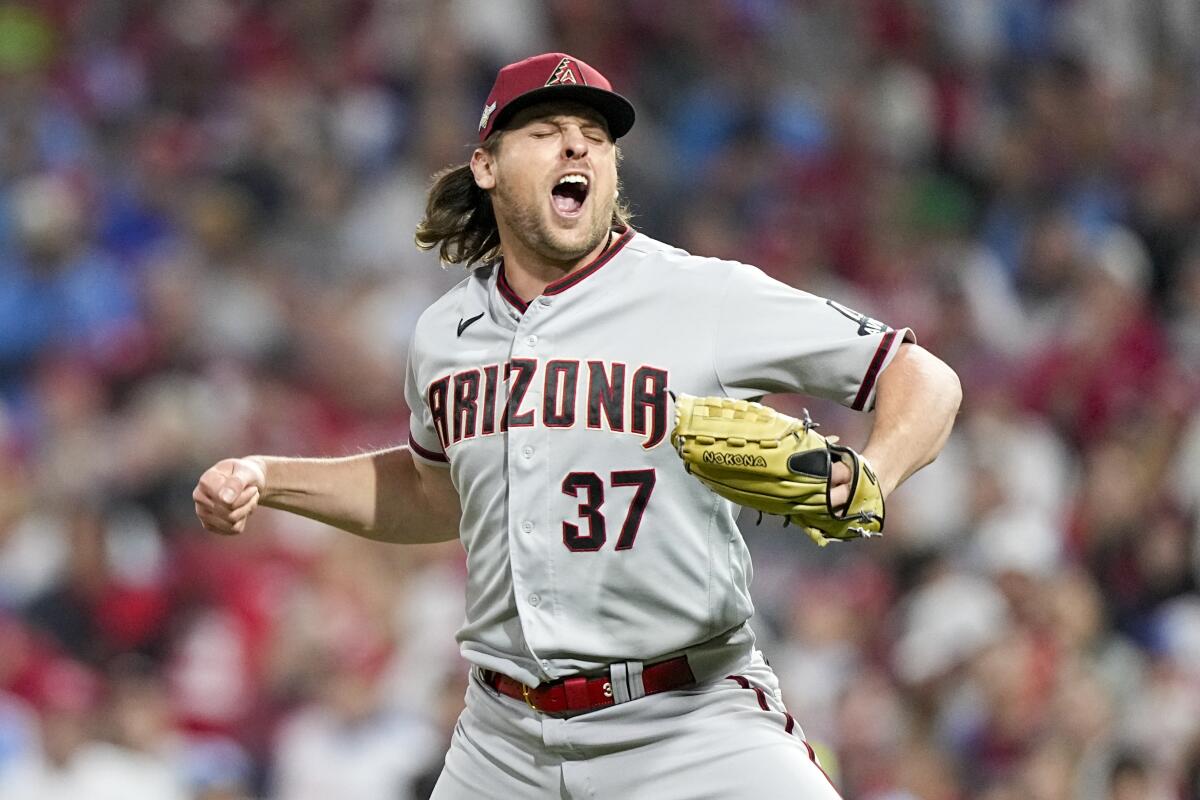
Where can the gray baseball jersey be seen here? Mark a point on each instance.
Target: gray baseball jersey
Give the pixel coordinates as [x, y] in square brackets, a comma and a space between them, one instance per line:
[586, 540]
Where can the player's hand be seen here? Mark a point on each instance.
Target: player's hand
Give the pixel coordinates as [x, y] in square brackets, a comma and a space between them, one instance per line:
[228, 493]
[839, 485]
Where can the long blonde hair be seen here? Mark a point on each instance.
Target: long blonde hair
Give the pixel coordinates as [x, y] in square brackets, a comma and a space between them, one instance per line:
[459, 220]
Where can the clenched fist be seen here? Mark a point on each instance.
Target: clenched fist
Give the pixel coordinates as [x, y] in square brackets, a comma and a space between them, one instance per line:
[227, 493]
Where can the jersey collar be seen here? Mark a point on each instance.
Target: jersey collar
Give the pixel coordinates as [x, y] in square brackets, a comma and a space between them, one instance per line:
[566, 282]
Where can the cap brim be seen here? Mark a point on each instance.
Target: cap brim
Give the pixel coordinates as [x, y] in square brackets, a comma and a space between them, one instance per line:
[616, 110]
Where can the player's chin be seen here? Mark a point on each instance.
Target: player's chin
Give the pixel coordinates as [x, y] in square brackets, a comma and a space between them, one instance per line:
[576, 239]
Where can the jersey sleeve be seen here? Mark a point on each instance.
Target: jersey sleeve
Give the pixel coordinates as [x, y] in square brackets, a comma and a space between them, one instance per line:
[423, 438]
[771, 337]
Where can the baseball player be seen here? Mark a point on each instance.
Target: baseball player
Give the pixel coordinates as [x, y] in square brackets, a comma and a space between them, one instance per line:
[608, 591]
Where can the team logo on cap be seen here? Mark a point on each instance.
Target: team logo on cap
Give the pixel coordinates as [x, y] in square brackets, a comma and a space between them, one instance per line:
[487, 113]
[564, 73]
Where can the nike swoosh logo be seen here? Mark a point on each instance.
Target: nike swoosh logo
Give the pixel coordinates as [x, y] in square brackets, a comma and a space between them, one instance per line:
[464, 324]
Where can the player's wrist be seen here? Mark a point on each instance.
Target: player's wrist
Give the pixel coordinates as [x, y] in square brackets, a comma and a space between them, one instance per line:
[259, 465]
[879, 465]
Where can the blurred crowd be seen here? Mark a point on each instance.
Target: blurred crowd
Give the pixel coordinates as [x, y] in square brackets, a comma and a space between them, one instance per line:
[206, 217]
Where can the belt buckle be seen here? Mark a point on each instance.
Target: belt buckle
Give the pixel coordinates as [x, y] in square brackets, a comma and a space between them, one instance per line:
[525, 694]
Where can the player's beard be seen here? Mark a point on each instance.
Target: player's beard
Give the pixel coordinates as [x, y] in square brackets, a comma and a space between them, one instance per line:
[530, 222]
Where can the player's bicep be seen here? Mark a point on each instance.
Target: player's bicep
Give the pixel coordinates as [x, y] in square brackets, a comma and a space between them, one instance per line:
[415, 503]
[432, 509]
[439, 492]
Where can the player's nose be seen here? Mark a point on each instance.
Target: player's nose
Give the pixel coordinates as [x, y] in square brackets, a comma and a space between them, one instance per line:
[575, 144]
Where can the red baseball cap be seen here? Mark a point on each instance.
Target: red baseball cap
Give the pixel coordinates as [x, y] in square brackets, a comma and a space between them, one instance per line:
[553, 76]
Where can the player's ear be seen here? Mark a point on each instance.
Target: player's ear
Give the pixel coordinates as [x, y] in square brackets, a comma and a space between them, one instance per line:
[483, 167]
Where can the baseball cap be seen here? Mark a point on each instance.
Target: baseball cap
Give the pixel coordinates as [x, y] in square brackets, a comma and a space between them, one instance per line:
[553, 76]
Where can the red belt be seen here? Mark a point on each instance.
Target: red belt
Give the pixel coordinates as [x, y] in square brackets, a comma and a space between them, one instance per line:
[587, 694]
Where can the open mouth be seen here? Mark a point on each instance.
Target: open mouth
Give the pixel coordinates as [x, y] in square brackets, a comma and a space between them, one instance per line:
[569, 194]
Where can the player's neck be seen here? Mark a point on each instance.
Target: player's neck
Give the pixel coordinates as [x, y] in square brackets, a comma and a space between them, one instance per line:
[529, 273]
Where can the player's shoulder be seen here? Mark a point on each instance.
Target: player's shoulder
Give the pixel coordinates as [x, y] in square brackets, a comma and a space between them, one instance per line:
[666, 267]
[671, 259]
[450, 305]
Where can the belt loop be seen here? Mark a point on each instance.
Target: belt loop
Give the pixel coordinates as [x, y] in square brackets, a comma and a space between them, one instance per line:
[619, 675]
[636, 687]
[626, 679]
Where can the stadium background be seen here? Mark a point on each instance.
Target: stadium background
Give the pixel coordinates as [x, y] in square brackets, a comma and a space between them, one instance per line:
[206, 211]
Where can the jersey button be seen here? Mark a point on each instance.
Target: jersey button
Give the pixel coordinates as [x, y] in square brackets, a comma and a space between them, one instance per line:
[527, 526]
[534, 600]
[531, 340]
[527, 451]
[545, 301]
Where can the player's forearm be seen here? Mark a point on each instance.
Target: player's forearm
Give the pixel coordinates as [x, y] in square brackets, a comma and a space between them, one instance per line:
[916, 402]
[380, 496]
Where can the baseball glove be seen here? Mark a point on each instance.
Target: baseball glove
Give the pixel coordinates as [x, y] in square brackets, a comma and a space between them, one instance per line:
[776, 464]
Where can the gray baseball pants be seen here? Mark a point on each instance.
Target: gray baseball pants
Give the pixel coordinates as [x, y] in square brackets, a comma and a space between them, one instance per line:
[726, 738]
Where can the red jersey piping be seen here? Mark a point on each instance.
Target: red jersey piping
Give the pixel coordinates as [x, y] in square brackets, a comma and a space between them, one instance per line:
[566, 282]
